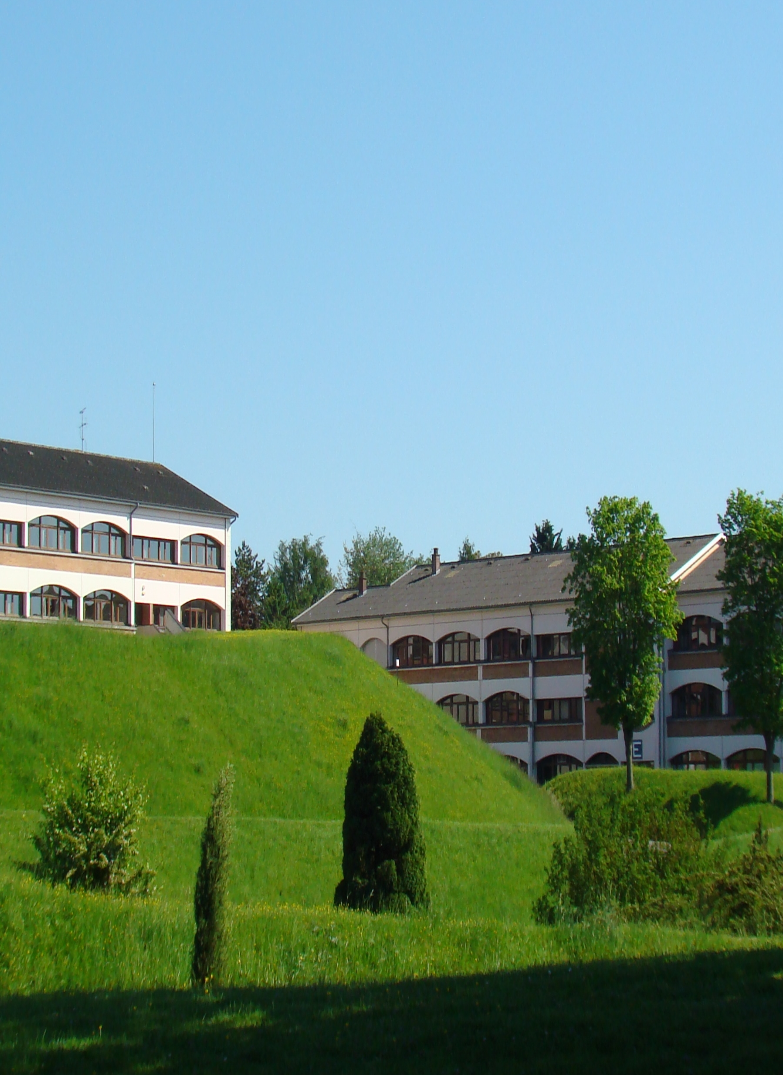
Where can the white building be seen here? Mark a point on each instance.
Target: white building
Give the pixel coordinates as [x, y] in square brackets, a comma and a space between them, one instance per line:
[117, 542]
[489, 641]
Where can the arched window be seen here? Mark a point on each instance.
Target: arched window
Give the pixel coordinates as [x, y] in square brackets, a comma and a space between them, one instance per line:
[51, 532]
[518, 763]
[53, 603]
[201, 616]
[508, 707]
[508, 644]
[601, 760]
[695, 759]
[459, 648]
[411, 652]
[555, 765]
[200, 550]
[750, 761]
[103, 539]
[699, 632]
[376, 649]
[105, 606]
[697, 700]
[462, 707]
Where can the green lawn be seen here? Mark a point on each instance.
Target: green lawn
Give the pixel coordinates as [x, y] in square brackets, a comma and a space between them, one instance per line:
[90, 983]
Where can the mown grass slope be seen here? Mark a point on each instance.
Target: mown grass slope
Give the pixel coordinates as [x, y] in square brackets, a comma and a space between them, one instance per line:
[285, 708]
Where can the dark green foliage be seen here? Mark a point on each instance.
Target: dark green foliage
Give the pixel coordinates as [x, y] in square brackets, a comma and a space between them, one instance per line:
[545, 538]
[89, 835]
[383, 848]
[747, 896]
[468, 551]
[299, 577]
[625, 605]
[248, 586]
[209, 945]
[631, 855]
[380, 557]
[753, 649]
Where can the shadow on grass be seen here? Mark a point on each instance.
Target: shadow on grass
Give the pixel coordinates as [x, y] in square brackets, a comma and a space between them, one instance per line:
[722, 798]
[716, 1012]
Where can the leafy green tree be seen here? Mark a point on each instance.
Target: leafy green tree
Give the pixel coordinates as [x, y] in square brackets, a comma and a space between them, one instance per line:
[545, 538]
[468, 552]
[89, 835]
[383, 848]
[248, 584]
[625, 605]
[299, 577]
[380, 557]
[753, 650]
[209, 943]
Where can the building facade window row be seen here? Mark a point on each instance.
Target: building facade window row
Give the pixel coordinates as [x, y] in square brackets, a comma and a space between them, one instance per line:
[55, 534]
[696, 634]
[509, 707]
[103, 606]
[460, 647]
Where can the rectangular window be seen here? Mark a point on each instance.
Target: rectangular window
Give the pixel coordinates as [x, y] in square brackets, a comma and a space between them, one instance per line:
[560, 645]
[11, 604]
[11, 534]
[560, 710]
[153, 549]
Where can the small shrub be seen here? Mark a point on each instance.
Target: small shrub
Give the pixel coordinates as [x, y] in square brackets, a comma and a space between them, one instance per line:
[747, 896]
[629, 854]
[210, 941]
[89, 835]
[383, 848]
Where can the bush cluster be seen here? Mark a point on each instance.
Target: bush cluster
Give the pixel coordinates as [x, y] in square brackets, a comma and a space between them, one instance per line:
[89, 835]
[629, 854]
[747, 895]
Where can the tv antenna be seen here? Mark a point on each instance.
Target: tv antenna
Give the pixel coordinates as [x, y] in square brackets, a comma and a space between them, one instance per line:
[153, 421]
[82, 425]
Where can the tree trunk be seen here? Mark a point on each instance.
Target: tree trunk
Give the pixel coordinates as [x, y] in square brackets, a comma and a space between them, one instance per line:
[769, 761]
[628, 735]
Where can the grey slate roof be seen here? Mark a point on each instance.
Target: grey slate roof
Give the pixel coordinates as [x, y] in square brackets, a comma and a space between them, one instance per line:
[500, 582]
[107, 477]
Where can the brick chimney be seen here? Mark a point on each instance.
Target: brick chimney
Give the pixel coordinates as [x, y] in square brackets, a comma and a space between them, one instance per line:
[435, 561]
[362, 584]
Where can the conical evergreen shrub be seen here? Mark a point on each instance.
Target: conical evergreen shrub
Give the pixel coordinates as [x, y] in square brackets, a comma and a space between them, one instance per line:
[209, 945]
[383, 848]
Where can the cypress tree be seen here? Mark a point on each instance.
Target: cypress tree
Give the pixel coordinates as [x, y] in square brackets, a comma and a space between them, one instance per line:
[383, 848]
[211, 883]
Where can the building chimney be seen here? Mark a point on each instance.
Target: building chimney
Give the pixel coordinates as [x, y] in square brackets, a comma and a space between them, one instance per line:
[362, 584]
[435, 561]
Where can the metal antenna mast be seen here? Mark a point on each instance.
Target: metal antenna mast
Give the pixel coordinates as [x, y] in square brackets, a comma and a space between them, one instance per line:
[153, 421]
[82, 425]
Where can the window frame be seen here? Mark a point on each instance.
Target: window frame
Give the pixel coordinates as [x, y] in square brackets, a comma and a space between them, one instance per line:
[7, 523]
[689, 626]
[158, 541]
[680, 701]
[4, 602]
[472, 644]
[62, 527]
[558, 707]
[411, 660]
[209, 544]
[112, 533]
[503, 637]
[192, 607]
[471, 707]
[504, 708]
[555, 641]
[62, 594]
[113, 599]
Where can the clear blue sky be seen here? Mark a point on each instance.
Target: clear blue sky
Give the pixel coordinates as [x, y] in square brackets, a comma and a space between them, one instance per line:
[449, 268]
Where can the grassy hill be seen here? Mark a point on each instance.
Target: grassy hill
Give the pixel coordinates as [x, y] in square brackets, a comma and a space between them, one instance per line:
[287, 710]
